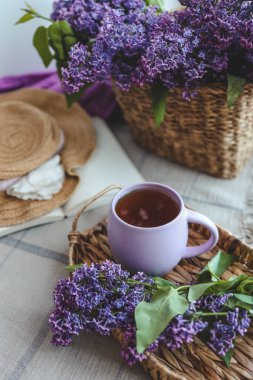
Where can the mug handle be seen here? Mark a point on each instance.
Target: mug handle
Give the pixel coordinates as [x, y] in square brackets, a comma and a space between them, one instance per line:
[195, 217]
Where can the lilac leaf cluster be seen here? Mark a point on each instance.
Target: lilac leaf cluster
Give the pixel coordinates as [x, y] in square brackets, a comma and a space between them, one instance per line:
[220, 331]
[179, 331]
[104, 296]
[132, 44]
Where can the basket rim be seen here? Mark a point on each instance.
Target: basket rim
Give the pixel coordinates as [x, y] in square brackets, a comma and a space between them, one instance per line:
[212, 88]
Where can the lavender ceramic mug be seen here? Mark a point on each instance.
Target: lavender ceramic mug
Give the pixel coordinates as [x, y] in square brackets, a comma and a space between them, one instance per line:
[156, 250]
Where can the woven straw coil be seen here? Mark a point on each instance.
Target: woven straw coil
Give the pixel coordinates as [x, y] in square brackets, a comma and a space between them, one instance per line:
[28, 137]
[80, 141]
[203, 134]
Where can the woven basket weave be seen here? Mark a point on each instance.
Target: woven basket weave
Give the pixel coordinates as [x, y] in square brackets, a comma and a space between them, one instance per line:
[194, 361]
[203, 133]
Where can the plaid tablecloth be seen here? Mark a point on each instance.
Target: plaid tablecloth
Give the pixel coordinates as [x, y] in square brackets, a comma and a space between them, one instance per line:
[32, 261]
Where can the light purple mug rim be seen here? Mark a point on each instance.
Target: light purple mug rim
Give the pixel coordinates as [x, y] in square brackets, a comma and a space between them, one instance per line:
[148, 185]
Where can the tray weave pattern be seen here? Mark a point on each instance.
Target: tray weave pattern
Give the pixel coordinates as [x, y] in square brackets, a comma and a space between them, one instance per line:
[194, 361]
[203, 133]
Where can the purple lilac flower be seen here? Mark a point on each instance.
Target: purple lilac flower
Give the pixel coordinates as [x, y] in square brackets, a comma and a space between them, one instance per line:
[104, 296]
[220, 26]
[114, 55]
[130, 44]
[97, 298]
[79, 69]
[64, 325]
[87, 15]
[178, 332]
[181, 330]
[171, 57]
[129, 353]
[222, 335]
[240, 320]
[222, 330]
[212, 303]
[222, 338]
[211, 38]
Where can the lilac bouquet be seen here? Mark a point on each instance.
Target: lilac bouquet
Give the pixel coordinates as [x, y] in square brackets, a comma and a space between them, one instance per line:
[153, 311]
[139, 43]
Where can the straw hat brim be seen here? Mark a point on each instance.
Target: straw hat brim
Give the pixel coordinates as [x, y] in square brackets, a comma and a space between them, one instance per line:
[28, 137]
[80, 141]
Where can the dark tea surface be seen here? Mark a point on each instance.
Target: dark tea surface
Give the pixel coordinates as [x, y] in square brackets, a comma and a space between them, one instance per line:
[147, 208]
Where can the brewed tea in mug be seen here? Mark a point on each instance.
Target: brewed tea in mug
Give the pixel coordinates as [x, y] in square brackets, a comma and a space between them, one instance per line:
[147, 208]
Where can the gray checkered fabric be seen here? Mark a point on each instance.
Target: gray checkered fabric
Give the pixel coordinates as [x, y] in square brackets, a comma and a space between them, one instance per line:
[32, 261]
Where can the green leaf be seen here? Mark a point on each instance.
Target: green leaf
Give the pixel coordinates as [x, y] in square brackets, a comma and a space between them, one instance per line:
[246, 286]
[24, 18]
[218, 288]
[65, 28]
[59, 66]
[234, 302]
[244, 298]
[216, 266]
[56, 40]
[40, 42]
[159, 95]
[73, 98]
[235, 89]
[161, 282]
[152, 317]
[34, 13]
[221, 287]
[68, 42]
[72, 268]
[227, 358]
[152, 2]
[30, 8]
[198, 290]
[160, 3]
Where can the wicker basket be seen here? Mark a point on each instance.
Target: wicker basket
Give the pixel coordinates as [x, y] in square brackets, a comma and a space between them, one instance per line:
[194, 361]
[203, 133]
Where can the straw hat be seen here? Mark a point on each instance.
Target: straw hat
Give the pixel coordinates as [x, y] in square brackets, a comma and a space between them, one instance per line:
[80, 141]
[28, 137]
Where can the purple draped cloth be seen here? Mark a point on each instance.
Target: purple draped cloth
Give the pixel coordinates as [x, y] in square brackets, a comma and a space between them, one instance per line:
[98, 100]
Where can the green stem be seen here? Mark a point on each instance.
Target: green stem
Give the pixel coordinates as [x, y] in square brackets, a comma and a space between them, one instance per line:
[130, 281]
[134, 282]
[201, 314]
[184, 287]
[36, 14]
[44, 18]
[214, 275]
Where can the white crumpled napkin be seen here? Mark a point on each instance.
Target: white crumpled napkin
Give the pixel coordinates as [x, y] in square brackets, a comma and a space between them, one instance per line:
[5, 184]
[41, 183]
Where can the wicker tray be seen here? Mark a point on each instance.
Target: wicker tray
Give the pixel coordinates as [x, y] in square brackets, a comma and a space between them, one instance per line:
[194, 361]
